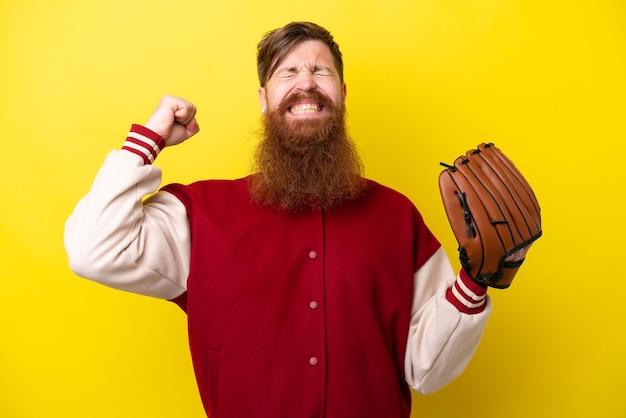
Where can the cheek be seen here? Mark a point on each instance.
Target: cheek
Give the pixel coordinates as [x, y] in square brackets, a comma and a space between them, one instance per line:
[274, 101]
[275, 94]
[333, 91]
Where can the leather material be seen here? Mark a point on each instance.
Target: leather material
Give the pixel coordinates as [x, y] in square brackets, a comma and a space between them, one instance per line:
[493, 213]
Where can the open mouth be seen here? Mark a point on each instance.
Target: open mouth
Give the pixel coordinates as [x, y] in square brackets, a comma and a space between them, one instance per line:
[305, 108]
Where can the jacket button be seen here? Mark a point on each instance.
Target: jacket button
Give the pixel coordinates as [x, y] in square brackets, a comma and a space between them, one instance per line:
[314, 305]
[313, 361]
[312, 255]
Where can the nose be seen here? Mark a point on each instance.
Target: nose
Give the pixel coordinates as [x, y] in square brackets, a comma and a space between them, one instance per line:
[305, 81]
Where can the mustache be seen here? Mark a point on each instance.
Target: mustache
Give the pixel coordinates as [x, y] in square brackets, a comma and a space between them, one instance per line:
[313, 96]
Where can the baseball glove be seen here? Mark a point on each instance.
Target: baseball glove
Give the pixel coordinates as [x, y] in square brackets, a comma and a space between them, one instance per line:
[493, 213]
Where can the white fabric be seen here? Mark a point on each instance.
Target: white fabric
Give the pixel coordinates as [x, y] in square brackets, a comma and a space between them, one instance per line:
[116, 239]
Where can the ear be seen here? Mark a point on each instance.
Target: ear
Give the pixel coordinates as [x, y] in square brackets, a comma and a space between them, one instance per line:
[344, 91]
[262, 100]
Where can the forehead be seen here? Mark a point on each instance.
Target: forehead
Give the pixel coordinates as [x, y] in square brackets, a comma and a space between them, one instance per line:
[310, 52]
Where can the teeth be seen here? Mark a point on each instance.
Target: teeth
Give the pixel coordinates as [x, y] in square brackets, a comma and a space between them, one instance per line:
[306, 108]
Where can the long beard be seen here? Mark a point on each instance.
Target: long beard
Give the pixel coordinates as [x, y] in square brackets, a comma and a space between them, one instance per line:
[306, 163]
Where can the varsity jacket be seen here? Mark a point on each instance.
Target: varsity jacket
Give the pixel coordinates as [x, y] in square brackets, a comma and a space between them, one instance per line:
[323, 313]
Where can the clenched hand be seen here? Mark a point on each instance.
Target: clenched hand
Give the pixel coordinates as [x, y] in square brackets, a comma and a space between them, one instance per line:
[174, 119]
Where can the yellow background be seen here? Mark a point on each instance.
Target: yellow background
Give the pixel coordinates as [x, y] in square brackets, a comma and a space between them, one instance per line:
[427, 79]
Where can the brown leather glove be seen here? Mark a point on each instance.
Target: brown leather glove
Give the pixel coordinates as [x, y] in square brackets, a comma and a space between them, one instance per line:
[493, 213]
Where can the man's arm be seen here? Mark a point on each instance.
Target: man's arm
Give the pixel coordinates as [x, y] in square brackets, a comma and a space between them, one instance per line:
[448, 318]
[112, 236]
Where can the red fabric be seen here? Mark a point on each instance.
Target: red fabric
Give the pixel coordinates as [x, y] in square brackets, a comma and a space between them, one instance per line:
[150, 134]
[181, 301]
[146, 148]
[301, 314]
[474, 294]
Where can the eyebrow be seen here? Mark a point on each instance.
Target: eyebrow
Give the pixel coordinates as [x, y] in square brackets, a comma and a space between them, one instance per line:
[290, 69]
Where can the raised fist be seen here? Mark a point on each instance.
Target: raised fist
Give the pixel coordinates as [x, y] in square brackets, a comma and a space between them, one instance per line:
[174, 119]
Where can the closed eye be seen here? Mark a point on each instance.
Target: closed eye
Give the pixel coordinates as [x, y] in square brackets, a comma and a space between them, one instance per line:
[286, 73]
[324, 72]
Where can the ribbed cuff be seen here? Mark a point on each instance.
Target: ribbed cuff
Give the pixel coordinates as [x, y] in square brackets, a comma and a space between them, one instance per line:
[144, 142]
[466, 295]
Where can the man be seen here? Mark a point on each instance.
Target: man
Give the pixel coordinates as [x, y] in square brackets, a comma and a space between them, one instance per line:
[310, 291]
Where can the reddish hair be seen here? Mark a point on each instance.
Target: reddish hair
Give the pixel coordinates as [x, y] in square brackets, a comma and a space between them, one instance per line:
[276, 44]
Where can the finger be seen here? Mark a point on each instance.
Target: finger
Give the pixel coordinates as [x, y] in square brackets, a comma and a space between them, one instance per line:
[185, 112]
[518, 255]
[192, 127]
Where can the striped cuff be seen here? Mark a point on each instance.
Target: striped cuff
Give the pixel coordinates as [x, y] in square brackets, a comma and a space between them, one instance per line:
[144, 142]
[466, 295]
